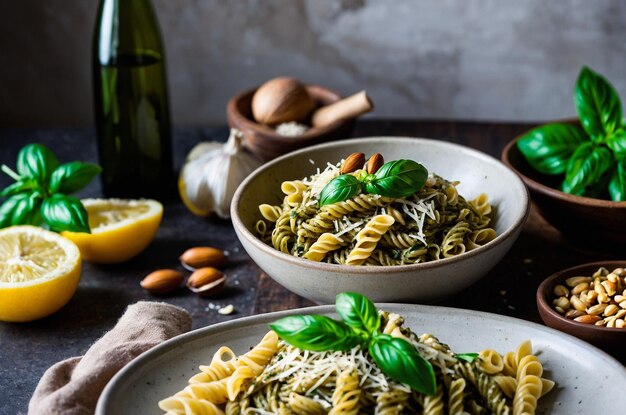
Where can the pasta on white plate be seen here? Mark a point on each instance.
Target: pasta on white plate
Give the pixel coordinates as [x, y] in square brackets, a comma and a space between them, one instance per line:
[278, 378]
[432, 223]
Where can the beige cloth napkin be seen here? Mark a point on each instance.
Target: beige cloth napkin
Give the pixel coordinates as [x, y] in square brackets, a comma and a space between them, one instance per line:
[73, 386]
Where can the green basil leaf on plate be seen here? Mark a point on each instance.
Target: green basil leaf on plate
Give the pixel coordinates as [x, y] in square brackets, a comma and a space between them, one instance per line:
[586, 166]
[398, 178]
[65, 213]
[341, 188]
[400, 360]
[358, 312]
[617, 185]
[617, 143]
[549, 147]
[598, 105]
[467, 357]
[73, 176]
[316, 333]
[36, 162]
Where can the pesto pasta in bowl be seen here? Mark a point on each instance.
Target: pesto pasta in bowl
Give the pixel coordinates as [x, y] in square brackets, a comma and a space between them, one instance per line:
[426, 224]
[538, 364]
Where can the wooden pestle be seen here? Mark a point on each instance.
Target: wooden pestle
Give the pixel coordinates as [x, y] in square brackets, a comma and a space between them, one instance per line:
[350, 107]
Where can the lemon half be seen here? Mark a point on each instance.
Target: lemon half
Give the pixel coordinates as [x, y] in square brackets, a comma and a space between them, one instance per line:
[39, 273]
[120, 229]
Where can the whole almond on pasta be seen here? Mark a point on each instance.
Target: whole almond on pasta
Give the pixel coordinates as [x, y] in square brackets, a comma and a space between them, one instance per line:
[352, 163]
[374, 163]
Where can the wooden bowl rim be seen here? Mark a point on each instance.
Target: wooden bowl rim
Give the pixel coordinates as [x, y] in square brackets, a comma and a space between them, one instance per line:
[549, 191]
[545, 290]
[311, 134]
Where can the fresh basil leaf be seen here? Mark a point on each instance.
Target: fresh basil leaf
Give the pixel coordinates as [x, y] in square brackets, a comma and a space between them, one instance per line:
[548, 148]
[617, 185]
[398, 178]
[36, 162]
[73, 176]
[21, 209]
[358, 312]
[64, 213]
[617, 143]
[17, 187]
[598, 105]
[399, 360]
[316, 333]
[340, 188]
[468, 357]
[586, 166]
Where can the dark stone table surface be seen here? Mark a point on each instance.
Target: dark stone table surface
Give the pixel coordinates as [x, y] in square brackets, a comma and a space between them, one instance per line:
[28, 349]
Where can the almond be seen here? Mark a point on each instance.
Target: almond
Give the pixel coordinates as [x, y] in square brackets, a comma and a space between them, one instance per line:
[206, 281]
[352, 163]
[374, 163]
[162, 281]
[202, 256]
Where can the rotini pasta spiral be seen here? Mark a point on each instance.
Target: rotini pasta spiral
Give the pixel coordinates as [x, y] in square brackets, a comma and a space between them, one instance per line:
[368, 238]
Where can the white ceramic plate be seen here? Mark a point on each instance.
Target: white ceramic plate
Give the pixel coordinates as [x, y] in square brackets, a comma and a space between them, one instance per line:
[588, 380]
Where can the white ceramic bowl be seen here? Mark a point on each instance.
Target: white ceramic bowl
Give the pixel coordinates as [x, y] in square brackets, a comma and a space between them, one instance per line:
[426, 282]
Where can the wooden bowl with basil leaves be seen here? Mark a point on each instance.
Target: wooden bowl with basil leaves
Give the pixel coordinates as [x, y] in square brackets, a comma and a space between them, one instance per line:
[576, 170]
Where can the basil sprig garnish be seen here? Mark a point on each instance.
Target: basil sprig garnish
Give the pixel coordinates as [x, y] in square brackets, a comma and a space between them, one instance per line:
[398, 178]
[591, 156]
[39, 195]
[396, 357]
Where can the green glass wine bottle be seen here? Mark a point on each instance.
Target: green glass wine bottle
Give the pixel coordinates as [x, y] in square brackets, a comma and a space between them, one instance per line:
[131, 102]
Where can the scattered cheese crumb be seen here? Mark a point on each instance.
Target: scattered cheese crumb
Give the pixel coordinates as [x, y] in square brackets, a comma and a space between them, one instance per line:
[311, 161]
[229, 309]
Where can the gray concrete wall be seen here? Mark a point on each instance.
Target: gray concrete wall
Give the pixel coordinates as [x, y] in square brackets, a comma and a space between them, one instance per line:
[464, 59]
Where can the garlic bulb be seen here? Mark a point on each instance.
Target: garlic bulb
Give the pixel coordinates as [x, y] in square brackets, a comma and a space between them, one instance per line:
[212, 173]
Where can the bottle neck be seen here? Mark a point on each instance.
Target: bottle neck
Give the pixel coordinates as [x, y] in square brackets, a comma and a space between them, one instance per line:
[126, 27]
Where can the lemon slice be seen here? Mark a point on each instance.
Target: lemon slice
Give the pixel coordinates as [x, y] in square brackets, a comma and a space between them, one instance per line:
[39, 272]
[120, 229]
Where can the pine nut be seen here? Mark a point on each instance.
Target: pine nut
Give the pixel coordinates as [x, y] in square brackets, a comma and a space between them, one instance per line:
[597, 309]
[621, 314]
[599, 288]
[610, 310]
[573, 313]
[580, 288]
[620, 271]
[562, 302]
[592, 296]
[600, 323]
[611, 322]
[574, 281]
[603, 298]
[561, 291]
[619, 323]
[577, 303]
[613, 277]
[619, 298]
[623, 304]
[609, 287]
[559, 310]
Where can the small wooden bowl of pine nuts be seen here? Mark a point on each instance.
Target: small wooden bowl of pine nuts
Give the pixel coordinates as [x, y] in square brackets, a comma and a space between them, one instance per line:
[587, 301]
